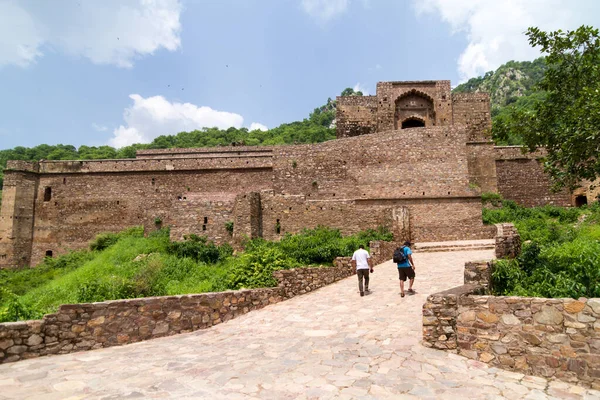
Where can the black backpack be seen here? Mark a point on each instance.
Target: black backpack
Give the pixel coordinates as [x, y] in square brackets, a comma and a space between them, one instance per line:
[399, 256]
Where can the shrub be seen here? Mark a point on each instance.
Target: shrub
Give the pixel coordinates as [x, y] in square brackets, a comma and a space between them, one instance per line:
[197, 248]
[255, 269]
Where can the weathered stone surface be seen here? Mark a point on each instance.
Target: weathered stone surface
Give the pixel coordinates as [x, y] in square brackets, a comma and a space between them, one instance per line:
[510, 319]
[487, 316]
[574, 307]
[548, 316]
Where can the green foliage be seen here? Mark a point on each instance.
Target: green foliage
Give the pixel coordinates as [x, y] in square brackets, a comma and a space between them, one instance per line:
[105, 240]
[12, 309]
[129, 265]
[565, 120]
[255, 269]
[198, 248]
[560, 255]
[229, 227]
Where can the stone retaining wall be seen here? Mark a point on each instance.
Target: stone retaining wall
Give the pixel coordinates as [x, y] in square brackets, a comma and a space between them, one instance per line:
[78, 327]
[382, 251]
[557, 338]
[547, 337]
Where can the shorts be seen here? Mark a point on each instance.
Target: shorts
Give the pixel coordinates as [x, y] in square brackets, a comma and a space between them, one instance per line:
[406, 272]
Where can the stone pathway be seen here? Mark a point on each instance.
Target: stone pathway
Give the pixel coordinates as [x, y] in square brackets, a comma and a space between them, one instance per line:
[330, 344]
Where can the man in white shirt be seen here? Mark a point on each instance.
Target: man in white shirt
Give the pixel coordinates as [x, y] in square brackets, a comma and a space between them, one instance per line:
[361, 260]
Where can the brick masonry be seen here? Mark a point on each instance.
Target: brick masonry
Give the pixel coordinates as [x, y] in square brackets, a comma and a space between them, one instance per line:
[79, 327]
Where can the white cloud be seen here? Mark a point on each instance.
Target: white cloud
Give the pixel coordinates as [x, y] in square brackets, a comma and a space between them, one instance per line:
[151, 117]
[256, 126]
[495, 29]
[360, 88]
[99, 128]
[324, 10]
[105, 32]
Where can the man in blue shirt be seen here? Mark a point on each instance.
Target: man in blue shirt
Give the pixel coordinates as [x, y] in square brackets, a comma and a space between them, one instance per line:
[406, 269]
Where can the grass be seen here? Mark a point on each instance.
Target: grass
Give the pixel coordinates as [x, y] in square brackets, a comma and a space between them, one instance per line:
[129, 265]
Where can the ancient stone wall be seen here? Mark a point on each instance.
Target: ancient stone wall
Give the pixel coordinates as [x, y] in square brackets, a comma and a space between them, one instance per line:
[79, 327]
[17, 214]
[473, 110]
[382, 251]
[508, 241]
[83, 205]
[355, 115]
[557, 338]
[521, 178]
[388, 94]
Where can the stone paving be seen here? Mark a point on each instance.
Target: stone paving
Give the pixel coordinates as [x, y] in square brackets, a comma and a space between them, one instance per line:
[330, 344]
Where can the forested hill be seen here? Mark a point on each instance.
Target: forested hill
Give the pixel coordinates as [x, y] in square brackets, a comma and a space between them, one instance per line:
[512, 84]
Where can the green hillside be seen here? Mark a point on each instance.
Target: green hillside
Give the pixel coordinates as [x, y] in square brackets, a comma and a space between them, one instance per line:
[512, 84]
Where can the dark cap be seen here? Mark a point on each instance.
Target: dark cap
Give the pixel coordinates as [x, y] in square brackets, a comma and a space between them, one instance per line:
[407, 243]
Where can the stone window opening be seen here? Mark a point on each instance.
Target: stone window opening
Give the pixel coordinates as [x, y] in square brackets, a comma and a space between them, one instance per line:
[581, 200]
[64, 181]
[203, 227]
[117, 202]
[206, 220]
[278, 227]
[153, 182]
[48, 253]
[48, 193]
[179, 198]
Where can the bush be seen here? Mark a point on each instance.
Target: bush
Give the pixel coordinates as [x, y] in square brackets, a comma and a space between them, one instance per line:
[199, 249]
[255, 269]
[105, 240]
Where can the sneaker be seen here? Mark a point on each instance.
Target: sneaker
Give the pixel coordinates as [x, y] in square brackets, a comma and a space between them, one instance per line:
[367, 291]
[411, 291]
[401, 294]
[362, 294]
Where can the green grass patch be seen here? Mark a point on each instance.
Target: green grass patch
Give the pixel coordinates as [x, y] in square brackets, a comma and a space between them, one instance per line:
[129, 265]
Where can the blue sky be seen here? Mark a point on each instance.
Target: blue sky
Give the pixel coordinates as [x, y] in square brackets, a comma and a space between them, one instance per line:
[83, 72]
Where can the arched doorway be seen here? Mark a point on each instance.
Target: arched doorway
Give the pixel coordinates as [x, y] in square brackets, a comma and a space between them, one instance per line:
[414, 109]
[580, 200]
[413, 123]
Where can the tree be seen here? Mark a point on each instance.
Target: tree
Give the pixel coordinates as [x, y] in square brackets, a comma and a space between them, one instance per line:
[566, 118]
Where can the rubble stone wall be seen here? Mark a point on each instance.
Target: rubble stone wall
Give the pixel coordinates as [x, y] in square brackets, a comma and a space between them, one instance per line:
[79, 327]
[557, 338]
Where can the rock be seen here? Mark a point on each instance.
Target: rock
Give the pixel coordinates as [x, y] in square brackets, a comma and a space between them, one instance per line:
[531, 338]
[486, 357]
[548, 316]
[467, 316]
[581, 317]
[5, 344]
[488, 317]
[557, 338]
[34, 340]
[576, 325]
[499, 348]
[16, 350]
[574, 307]
[96, 321]
[595, 305]
[509, 319]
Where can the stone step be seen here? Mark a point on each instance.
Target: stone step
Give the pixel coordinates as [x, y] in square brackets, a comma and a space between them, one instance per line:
[454, 248]
[466, 245]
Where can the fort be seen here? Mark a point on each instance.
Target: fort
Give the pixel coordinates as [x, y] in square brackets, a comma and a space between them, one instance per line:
[414, 158]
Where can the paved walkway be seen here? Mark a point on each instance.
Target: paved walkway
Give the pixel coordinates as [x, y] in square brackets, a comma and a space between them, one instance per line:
[328, 344]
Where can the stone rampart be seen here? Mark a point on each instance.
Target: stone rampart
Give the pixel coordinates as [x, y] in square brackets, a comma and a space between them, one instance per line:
[79, 327]
[521, 177]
